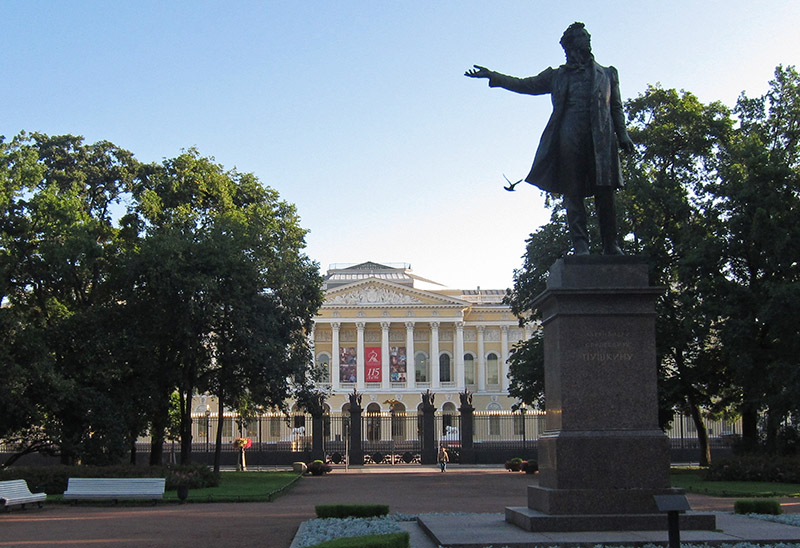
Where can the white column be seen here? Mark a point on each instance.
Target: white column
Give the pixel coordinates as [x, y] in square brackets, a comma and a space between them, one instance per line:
[335, 355]
[481, 361]
[385, 382]
[435, 380]
[459, 356]
[504, 357]
[361, 370]
[410, 366]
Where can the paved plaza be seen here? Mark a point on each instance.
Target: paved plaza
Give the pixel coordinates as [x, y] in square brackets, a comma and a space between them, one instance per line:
[406, 489]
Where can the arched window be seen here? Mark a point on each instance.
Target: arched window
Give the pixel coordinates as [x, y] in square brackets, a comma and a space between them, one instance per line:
[373, 422]
[421, 367]
[324, 367]
[445, 370]
[398, 411]
[469, 369]
[346, 421]
[448, 422]
[492, 369]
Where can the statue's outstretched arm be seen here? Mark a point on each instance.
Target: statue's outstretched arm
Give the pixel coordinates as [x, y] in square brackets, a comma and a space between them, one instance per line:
[478, 72]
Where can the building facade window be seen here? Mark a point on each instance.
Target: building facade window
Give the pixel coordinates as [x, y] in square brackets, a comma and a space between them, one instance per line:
[445, 369]
[469, 369]
[492, 369]
[324, 367]
[373, 422]
[421, 367]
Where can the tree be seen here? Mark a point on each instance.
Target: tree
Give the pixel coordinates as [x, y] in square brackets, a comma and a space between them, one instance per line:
[221, 262]
[60, 251]
[526, 359]
[758, 197]
[667, 216]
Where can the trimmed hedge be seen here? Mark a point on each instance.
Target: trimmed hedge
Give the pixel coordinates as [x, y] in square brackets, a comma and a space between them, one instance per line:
[53, 479]
[351, 510]
[757, 506]
[756, 468]
[392, 540]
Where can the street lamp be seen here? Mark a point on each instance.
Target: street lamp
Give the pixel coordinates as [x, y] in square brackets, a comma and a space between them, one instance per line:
[523, 410]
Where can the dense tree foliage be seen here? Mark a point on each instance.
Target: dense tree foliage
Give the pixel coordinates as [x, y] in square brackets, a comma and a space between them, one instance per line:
[664, 214]
[758, 197]
[125, 284]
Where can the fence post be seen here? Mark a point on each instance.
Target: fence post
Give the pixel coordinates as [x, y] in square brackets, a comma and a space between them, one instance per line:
[356, 455]
[467, 427]
[429, 449]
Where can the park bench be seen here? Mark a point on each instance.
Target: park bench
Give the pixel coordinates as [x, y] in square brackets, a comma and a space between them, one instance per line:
[115, 489]
[13, 492]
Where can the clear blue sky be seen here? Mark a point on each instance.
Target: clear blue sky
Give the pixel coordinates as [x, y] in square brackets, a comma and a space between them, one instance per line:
[358, 111]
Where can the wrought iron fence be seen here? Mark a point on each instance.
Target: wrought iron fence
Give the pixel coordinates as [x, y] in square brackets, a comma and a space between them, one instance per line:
[396, 438]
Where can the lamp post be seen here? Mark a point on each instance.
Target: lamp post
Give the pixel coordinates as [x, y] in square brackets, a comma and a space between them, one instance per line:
[523, 410]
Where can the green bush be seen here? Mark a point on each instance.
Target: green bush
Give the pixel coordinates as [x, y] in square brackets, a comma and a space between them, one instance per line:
[515, 464]
[392, 540]
[53, 479]
[194, 476]
[756, 468]
[757, 506]
[351, 510]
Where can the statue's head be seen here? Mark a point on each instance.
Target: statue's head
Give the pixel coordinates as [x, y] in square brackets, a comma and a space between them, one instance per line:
[576, 39]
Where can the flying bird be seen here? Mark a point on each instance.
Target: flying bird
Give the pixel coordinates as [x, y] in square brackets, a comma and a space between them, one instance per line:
[511, 185]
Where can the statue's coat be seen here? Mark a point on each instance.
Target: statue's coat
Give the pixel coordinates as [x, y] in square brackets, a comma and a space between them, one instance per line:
[607, 123]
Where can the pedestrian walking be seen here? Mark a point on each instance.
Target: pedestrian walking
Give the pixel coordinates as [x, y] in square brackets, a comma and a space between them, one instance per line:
[443, 458]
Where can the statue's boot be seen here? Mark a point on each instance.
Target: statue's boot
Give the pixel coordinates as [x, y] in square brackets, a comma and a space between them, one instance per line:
[607, 219]
[576, 222]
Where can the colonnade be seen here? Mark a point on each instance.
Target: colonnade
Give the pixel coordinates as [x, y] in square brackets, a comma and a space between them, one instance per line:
[455, 346]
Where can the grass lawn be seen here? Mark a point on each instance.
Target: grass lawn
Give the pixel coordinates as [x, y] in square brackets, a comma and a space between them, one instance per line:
[233, 487]
[692, 481]
[242, 487]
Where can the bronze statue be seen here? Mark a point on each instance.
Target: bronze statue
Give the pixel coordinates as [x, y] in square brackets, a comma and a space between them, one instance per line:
[465, 397]
[427, 398]
[578, 152]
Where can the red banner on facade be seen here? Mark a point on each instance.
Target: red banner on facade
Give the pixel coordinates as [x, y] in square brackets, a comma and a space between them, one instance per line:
[372, 364]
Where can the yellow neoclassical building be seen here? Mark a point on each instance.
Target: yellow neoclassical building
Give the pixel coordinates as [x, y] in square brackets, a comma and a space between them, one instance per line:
[392, 335]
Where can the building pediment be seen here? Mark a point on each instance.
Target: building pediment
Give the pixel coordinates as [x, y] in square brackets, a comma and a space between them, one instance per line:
[379, 293]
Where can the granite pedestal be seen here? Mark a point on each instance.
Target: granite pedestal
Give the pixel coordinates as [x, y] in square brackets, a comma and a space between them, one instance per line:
[602, 458]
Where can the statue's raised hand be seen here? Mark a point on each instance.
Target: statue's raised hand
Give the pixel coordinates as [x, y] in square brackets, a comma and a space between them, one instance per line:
[478, 72]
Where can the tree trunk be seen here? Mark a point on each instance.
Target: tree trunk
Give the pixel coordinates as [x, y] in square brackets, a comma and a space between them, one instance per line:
[772, 429]
[157, 445]
[133, 447]
[749, 428]
[702, 434]
[218, 444]
[186, 426]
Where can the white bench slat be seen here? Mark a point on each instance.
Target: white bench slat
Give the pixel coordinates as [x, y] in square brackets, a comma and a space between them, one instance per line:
[115, 488]
[14, 492]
